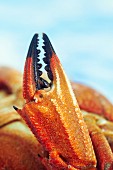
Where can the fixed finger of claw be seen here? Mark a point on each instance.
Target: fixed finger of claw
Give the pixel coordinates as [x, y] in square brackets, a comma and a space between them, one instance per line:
[29, 85]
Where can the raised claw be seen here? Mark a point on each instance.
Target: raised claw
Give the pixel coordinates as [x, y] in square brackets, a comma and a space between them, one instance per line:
[54, 115]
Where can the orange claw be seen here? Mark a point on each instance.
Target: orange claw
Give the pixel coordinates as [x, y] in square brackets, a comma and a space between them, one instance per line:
[52, 113]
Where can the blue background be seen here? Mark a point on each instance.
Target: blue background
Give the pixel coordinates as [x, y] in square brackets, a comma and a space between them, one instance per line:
[81, 32]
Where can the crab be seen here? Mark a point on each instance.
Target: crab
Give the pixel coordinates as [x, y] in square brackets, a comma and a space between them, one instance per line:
[71, 122]
[53, 115]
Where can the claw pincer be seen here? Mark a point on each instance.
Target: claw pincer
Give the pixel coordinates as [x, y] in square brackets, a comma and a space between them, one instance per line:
[52, 112]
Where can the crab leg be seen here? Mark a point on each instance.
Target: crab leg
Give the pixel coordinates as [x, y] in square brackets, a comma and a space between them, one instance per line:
[101, 147]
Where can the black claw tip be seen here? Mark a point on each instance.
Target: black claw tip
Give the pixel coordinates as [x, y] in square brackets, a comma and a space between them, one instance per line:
[33, 54]
[48, 46]
[33, 46]
[15, 108]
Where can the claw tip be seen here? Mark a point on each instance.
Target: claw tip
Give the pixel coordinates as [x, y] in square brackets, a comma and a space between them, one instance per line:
[33, 46]
[15, 108]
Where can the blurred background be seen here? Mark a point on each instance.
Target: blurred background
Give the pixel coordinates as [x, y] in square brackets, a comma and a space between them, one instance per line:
[81, 32]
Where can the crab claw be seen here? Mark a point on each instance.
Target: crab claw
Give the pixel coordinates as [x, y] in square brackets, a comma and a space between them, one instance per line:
[52, 112]
[32, 73]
